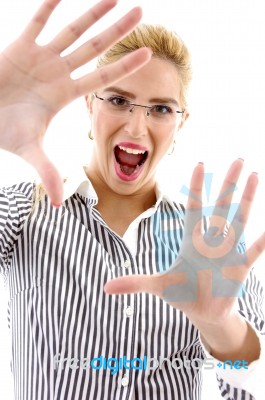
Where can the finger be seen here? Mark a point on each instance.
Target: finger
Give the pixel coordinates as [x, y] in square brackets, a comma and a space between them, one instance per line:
[111, 73]
[40, 19]
[104, 40]
[228, 187]
[242, 214]
[255, 250]
[48, 173]
[153, 284]
[193, 212]
[73, 31]
[195, 193]
[129, 284]
[222, 205]
[248, 197]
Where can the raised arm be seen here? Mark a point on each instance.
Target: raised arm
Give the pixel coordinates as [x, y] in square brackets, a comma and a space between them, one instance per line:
[35, 81]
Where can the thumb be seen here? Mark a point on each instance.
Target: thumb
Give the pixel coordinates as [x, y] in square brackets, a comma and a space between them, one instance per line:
[133, 284]
[50, 176]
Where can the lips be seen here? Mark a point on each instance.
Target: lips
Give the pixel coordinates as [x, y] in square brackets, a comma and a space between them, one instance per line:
[130, 159]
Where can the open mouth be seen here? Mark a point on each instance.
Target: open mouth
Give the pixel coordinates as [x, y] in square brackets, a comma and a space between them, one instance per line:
[130, 160]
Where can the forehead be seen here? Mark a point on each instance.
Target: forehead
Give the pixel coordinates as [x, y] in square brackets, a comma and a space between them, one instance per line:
[158, 78]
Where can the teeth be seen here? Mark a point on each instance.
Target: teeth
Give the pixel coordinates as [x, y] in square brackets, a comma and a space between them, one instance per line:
[131, 151]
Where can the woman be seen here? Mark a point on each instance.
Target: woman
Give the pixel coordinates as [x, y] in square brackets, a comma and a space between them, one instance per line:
[70, 339]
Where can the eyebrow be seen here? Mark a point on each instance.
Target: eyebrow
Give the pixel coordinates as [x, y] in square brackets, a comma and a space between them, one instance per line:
[163, 100]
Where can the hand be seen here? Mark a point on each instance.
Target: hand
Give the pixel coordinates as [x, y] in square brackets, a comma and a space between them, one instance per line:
[35, 81]
[209, 272]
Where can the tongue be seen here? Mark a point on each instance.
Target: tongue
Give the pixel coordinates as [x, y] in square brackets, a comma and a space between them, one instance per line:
[126, 159]
[126, 169]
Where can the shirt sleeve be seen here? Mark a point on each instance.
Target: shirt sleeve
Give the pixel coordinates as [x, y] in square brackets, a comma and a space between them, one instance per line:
[237, 384]
[15, 207]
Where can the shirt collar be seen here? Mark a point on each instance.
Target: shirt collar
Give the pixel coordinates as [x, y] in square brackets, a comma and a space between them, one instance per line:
[78, 182]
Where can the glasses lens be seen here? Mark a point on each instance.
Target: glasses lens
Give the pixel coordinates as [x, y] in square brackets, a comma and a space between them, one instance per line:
[163, 114]
[114, 106]
[120, 107]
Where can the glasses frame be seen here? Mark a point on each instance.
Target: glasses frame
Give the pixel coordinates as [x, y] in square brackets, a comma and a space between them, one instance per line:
[147, 113]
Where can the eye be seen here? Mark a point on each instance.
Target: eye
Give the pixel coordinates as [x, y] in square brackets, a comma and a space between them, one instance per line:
[161, 109]
[118, 101]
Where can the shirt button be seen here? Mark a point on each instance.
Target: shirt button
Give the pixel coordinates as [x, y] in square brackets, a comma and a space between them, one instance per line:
[129, 311]
[126, 264]
[125, 381]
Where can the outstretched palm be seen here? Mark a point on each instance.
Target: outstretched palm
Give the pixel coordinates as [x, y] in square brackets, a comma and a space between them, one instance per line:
[35, 81]
[209, 272]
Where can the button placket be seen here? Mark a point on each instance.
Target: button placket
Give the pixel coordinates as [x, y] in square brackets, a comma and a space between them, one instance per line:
[125, 380]
[129, 311]
[127, 264]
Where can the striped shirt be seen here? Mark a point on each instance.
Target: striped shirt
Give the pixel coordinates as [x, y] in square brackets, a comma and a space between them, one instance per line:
[72, 341]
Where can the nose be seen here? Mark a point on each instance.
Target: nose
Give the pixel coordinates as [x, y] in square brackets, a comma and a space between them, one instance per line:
[137, 122]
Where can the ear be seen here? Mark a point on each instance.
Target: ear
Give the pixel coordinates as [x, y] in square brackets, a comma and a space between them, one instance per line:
[183, 120]
[89, 101]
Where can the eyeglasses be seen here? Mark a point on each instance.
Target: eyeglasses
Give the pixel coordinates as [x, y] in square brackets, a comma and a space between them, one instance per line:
[118, 106]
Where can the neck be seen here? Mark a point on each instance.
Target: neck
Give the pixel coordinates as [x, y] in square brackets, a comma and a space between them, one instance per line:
[119, 210]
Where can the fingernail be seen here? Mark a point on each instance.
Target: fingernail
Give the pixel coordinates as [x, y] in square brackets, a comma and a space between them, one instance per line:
[242, 159]
[56, 205]
[201, 163]
[256, 173]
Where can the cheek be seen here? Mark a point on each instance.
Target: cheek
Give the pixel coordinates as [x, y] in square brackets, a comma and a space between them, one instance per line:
[99, 129]
[104, 126]
[161, 151]
[164, 142]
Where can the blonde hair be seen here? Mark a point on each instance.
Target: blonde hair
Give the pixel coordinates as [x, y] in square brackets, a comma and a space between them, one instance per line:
[165, 45]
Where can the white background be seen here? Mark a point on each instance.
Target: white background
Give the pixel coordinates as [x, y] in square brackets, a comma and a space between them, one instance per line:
[226, 103]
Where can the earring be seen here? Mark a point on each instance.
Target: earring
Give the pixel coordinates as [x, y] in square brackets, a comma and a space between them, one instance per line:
[90, 135]
[173, 148]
